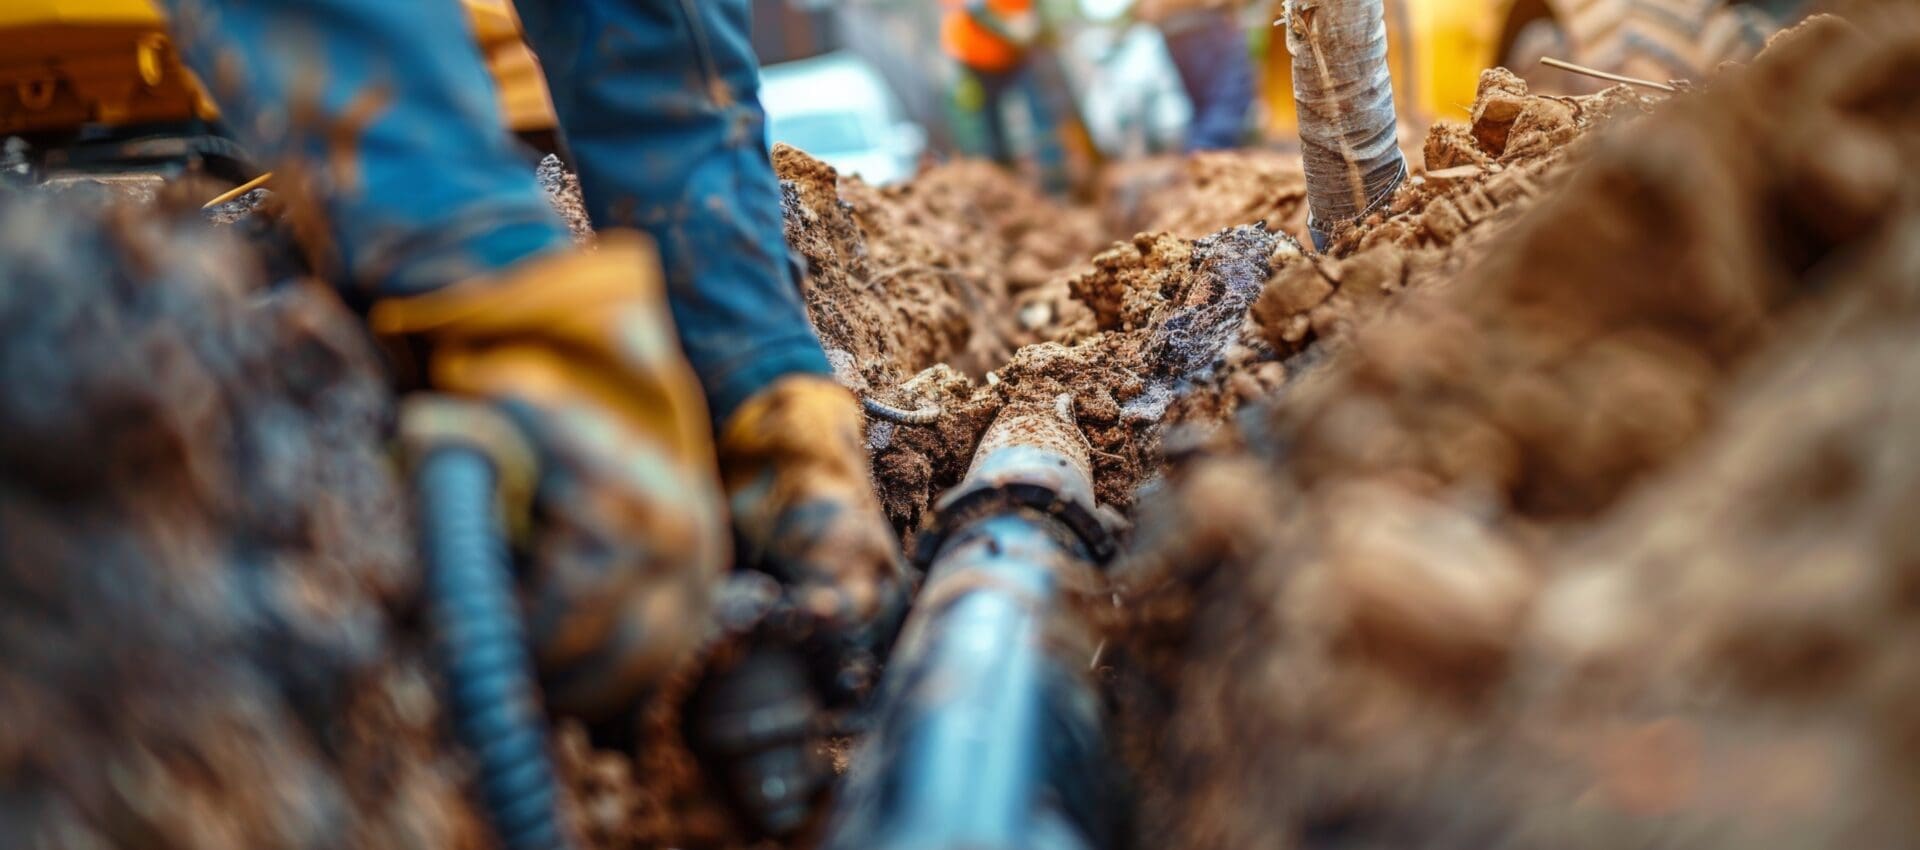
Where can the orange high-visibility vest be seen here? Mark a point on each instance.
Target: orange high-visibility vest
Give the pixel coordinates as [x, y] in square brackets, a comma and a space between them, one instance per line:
[976, 46]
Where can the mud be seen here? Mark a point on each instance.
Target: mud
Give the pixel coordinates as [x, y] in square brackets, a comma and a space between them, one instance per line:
[562, 188]
[1203, 193]
[204, 565]
[1115, 340]
[1569, 536]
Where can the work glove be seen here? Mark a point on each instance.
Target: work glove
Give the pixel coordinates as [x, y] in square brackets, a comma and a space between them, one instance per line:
[794, 467]
[625, 538]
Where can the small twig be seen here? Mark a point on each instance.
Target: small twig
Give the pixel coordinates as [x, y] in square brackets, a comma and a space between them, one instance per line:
[885, 275]
[926, 414]
[237, 191]
[1564, 65]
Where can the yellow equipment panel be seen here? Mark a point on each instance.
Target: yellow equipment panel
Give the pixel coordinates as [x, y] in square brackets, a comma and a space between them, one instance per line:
[65, 64]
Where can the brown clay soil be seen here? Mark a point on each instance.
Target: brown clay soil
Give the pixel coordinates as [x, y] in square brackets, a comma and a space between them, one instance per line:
[1195, 195]
[1588, 528]
[914, 313]
[205, 571]
[1560, 504]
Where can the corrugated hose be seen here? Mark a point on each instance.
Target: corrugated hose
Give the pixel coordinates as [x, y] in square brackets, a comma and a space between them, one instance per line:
[491, 692]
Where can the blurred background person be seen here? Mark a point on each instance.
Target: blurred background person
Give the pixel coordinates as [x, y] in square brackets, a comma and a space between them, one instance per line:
[1209, 49]
[993, 40]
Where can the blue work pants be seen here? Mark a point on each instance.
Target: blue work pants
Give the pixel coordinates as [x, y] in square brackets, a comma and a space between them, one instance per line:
[388, 104]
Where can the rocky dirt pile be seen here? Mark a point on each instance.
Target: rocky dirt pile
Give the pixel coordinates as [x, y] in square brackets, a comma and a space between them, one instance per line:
[1592, 533]
[1192, 196]
[205, 573]
[1476, 179]
[1114, 343]
[952, 268]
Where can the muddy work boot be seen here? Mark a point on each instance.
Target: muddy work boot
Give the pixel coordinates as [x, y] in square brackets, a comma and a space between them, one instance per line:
[623, 544]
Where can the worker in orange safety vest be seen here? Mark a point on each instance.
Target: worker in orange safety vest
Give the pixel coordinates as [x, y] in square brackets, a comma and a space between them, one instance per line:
[992, 40]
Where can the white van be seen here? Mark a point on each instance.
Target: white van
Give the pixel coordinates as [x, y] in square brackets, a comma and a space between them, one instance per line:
[837, 108]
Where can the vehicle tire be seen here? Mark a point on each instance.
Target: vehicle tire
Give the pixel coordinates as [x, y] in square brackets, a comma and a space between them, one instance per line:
[1662, 39]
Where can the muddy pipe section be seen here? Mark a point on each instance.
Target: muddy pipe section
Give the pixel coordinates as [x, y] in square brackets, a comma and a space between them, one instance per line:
[992, 732]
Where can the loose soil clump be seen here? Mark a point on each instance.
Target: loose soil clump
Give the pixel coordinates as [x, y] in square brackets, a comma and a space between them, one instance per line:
[1478, 178]
[1116, 343]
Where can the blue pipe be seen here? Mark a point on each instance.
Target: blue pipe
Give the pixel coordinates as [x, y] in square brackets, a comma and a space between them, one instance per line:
[992, 732]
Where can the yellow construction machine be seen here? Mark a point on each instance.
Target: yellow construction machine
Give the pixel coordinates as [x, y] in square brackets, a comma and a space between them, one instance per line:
[1437, 48]
[96, 86]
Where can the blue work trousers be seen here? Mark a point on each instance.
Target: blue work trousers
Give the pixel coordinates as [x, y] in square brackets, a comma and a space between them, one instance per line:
[389, 104]
[1210, 53]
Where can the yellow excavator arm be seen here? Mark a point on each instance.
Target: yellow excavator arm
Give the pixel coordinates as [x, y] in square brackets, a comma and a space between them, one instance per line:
[68, 64]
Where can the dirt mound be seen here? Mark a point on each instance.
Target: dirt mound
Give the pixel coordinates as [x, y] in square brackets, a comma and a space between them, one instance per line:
[1117, 343]
[205, 556]
[209, 580]
[1477, 178]
[952, 268]
[1575, 539]
[1202, 193]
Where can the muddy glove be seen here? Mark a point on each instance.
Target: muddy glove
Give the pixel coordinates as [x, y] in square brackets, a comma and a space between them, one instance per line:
[795, 469]
[625, 540]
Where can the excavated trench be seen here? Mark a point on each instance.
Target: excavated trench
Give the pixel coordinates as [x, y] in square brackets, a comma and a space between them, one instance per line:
[1560, 504]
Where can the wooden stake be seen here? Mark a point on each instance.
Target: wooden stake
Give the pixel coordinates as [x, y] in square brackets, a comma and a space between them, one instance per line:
[237, 191]
[1564, 65]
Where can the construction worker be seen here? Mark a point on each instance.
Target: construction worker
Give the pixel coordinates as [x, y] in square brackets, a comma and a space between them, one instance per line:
[381, 114]
[992, 41]
[1209, 50]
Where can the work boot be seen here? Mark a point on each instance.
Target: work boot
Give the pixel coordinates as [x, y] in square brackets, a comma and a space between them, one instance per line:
[624, 543]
